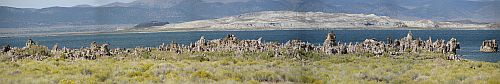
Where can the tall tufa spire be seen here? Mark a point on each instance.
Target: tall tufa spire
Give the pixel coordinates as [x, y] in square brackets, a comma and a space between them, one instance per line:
[329, 43]
[409, 36]
[330, 38]
[30, 43]
[55, 47]
[94, 46]
[201, 42]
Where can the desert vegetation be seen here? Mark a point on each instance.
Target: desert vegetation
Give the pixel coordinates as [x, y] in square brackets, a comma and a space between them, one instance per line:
[249, 67]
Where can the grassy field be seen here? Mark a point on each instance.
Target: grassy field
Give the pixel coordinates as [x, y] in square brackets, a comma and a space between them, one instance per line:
[233, 67]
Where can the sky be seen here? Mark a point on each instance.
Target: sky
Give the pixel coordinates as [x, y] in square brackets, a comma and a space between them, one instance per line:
[51, 3]
[69, 3]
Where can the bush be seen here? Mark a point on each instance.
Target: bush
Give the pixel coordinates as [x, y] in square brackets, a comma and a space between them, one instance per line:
[202, 74]
[228, 67]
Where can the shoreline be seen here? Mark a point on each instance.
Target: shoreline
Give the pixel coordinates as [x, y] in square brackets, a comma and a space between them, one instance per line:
[132, 31]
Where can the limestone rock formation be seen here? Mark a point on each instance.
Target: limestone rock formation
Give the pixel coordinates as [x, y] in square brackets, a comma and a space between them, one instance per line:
[94, 46]
[453, 45]
[6, 48]
[453, 57]
[489, 46]
[29, 43]
[291, 49]
[200, 44]
[55, 47]
[409, 36]
[55, 51]
[105, 50]
[329, 43]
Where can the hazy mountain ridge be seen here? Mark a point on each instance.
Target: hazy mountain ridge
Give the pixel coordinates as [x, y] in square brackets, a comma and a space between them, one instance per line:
[15, 17]
[189, 10]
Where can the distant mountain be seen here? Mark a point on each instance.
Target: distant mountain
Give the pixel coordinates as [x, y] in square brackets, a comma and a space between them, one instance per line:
[188, 10]
[20, 17]
[118, 4]
[146, 4]
[268, 20]
[150, 24]
[83, 5]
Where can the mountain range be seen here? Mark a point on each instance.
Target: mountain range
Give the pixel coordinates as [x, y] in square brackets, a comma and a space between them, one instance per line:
[279, 20]
[176, 11]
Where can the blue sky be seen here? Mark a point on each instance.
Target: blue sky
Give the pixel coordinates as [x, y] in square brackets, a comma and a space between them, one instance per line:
[51, 3]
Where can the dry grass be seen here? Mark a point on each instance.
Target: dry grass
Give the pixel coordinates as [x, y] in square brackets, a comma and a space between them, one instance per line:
[231, 67]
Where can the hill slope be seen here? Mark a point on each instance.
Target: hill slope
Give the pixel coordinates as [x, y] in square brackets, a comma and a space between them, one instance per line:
[291, 20]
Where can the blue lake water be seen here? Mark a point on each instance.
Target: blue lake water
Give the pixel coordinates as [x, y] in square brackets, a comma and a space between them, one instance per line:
[470, 40]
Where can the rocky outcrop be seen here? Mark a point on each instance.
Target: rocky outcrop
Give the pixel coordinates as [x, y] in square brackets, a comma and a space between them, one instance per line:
[489, 46]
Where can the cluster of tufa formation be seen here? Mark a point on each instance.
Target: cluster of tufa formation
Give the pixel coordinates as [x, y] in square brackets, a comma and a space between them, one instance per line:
[489, 46]
[38, 52]
[392, 47]
[330, 46]
[294, 48]
[92, 52]
[31, 50]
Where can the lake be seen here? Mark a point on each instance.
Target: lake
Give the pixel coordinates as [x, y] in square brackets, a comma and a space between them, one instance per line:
[470, 40]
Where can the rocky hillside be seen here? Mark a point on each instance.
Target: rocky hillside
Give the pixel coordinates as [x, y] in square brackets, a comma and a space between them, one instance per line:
[289, 19]
[496, 25]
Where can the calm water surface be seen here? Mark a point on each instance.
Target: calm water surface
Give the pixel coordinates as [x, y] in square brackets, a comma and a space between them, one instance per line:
[470, 40]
